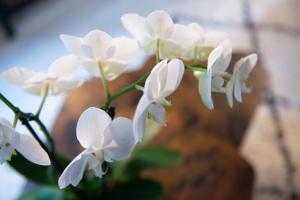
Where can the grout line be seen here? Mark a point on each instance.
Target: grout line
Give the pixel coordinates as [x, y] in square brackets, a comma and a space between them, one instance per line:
[289, 167]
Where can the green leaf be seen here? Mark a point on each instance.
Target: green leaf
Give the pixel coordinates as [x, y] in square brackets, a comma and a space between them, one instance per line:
[145, 158]
[44, 193]
[33, 172]
[45, 175]
[154, 157]
[137, 189]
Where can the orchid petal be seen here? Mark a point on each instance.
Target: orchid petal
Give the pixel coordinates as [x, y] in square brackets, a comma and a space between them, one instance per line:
[90, 127]
[99, 42]
[184, 36]
[61, 86]
[9, 139]
[205, 89]
[32, 150]
[113, 69]
[160, 22]
[238, 91]
[126, 48]
[158, 114]
[121, 130]
[229, 93]
[18, 75]
[91, 67]
[74, 171]
[65, 66]
[139, 28]
[139, 118]
[73, 44]
[174, 76]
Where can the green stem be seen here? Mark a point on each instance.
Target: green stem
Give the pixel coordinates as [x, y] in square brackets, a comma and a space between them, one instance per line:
[15, 120]
[106, 89]
[192, 68]
[157, 51]
[8, 103]
[28, 117]
[125, 90]
[42, 102]
[47, 134]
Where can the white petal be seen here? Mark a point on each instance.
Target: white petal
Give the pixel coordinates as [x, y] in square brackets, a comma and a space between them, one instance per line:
[248, 64]
[124, 141]
[160, 22]
[9, 139]
[113, 69]
[74, 171]
[99, 42]
[173, 78]
[169, 49]
[35, 89]
[91, 126]
[61, 86]
[217, 84]
[238, 91]
[65, 66]
[5, 122]
[126, 48]
[73, 44]
[229, 93]
[227, 46]
[156, 80]
[184, 36]
[205, 89]
[91, 66]
[214, 57]
[220, 57]
[213, 39]
[18, 75]
[158, 114]
[139, 28]
[196, 27]
[32, 150]
[139, 118]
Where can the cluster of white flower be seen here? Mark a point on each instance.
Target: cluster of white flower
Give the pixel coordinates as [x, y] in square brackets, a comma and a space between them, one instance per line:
[106, 139]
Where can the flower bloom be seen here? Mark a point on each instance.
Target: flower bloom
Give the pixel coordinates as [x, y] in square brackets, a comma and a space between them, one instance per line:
[98, 49]
[104, 139]
[57, 80]
[212, 79]
[241, 72]
[11, 140]
[163, 80]
[158, 32]
[205, 43]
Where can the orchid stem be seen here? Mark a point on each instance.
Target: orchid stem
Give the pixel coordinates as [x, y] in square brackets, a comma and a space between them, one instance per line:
[106, 89]
[42, 102]
[15, 120]
[28, 117]
[127, 89]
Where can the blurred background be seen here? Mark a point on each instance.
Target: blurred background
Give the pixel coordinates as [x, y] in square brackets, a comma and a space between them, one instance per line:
[29, 37]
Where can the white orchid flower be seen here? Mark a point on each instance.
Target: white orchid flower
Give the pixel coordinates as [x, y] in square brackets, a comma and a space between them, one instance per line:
[212, 79]
[241, 72]
[104, 139]
[98, 49]
[157, 30]
[57, 80]
[205, 43]
[164, 79]
[11, 140]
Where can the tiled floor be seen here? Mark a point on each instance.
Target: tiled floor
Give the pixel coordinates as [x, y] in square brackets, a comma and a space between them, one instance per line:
[272, 142]
[276, 28]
